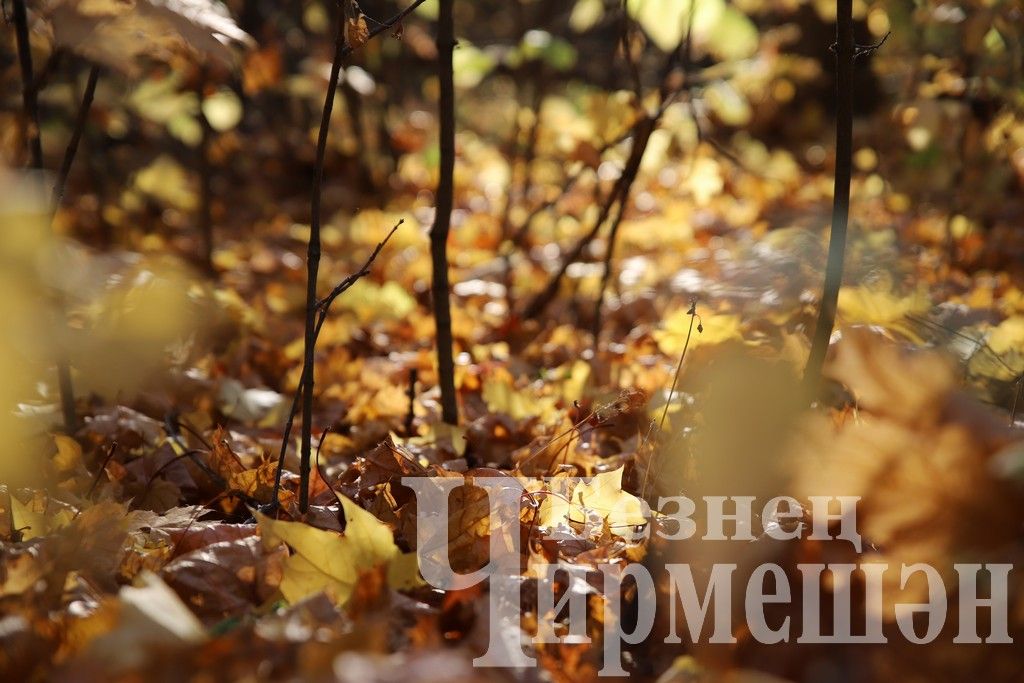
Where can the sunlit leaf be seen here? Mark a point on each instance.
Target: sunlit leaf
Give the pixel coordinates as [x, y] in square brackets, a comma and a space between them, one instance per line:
[676, 328]
[325, 560]
[877, 305]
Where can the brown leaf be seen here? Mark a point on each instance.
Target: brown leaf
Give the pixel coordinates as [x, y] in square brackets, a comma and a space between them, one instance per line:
[226, 579]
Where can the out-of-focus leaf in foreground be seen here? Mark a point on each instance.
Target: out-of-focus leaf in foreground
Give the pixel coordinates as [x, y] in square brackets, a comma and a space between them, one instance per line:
[120, 34]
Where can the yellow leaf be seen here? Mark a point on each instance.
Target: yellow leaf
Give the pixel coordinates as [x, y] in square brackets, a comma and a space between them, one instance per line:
[705, 180]
[327, 561]
[454, 434]
[572, 388]
[501, 397]
[1002, 360]
[30, 524]
[370, 301]
[586, 14]
[1007, 336]
[69, 453]
[733, 36]
[664, 21]
[604, 494]
[34, 524]
[716, 329]
[223, 110]
[167, 182]
[874, 305]
[555, 510]
[723, 30]
[404, 572]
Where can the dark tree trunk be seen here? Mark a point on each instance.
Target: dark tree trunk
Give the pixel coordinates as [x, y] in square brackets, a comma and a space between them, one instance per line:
[442, 220]
[841, 197]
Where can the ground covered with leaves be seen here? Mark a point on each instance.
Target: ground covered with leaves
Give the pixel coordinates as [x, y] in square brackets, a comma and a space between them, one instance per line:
[145, 544]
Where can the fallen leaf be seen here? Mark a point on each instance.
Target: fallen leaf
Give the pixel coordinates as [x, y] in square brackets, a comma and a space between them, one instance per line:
[326, 560]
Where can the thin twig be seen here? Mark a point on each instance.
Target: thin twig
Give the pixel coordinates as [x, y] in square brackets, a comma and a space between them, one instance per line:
[543, 299]
[644, 133]
[648, 124]
[410, 417]
[675, 377]
[1016, 399]
[76, 136]
[519, 237]
[323, 308]
[103, 467]
[319, 470]
[671, 392]
[641, 132]
[527, 157]
[342, 48]
[345, 284]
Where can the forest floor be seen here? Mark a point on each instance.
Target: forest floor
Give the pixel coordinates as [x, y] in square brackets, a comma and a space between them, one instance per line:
[135, 550]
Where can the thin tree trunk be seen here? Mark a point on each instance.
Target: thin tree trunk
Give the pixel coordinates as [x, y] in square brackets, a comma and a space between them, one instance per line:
[312, 269]
[442, 220]
[29, 99]
[643, 133]
[67, 392]
[205, 217]
[341, 50]
[30, 103]
[841, 197]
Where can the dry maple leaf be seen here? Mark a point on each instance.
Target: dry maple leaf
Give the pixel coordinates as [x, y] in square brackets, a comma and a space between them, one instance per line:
[326, 561]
